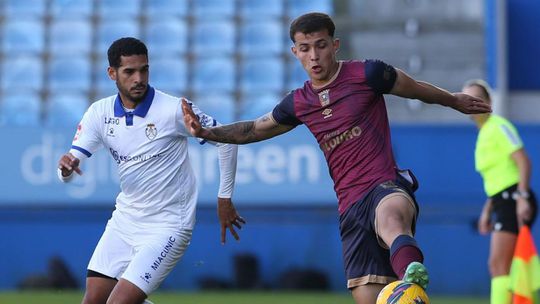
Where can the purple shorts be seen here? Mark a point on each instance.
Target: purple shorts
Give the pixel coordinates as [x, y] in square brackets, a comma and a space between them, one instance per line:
[366, 261]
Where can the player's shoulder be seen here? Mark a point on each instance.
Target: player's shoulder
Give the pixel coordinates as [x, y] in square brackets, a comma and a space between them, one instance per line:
[362, 63]
[497, 126]
[103, 105]
[362, 68]
[166, 97]
[162, 99]
[497, 120]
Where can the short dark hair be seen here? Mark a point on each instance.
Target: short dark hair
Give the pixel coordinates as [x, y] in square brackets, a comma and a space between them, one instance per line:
[126, 46]
[312, 22]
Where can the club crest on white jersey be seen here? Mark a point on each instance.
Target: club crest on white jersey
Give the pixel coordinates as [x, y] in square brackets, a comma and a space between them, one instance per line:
[151, 131]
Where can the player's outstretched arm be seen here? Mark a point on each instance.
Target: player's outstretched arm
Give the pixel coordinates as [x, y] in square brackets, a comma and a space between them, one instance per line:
[228, 218]
[242, 132]
[407, 87]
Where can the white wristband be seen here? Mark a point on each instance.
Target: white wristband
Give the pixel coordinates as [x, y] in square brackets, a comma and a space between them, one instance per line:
[64, 179]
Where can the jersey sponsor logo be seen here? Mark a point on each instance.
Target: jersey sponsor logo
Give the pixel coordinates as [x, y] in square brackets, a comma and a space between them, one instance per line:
[78, 133]
[151, 131]
[163, 254]
[112, 121]
[205, 120]
[147, 276]
[334, 139]
[324, 97]
[126, 158]
[110, 132]
[327, 113]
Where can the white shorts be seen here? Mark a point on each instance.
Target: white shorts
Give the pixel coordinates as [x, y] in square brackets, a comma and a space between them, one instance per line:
[144, 258]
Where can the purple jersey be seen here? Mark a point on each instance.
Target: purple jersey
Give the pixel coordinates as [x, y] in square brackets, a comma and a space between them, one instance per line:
[348, 117]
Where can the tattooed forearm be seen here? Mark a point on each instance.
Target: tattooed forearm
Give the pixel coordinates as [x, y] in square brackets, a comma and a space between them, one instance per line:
[237, 133]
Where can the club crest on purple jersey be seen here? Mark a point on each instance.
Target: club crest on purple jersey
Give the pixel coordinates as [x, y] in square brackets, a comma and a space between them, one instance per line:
[324, 97]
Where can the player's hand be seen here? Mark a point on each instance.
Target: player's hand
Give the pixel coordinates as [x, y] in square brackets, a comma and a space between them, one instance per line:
[470, 105]
[228, 218]
[191, 120]
[523, 210]
[484, 224]
[69, 163]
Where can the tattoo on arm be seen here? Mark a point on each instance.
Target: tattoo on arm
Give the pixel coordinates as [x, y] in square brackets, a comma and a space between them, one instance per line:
[237, 133]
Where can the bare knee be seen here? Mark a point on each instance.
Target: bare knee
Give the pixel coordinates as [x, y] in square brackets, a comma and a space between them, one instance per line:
[98, 290]
[126, 292]
[95, 297]
[501, 253]
[394, 217]
[498, 266]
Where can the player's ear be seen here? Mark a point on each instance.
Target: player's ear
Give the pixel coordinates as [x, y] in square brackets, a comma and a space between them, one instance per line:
[294, 50]
[336, 45]
[112, 73]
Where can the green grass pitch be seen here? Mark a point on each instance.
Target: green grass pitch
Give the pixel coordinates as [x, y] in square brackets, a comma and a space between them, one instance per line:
[63, 297]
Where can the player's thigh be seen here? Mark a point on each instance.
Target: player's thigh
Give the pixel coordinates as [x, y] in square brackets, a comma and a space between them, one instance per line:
[366, 294]
[395, 215]
[98, 290]
[126, 292]
[112, 254]
[501, 252]
[155, 257]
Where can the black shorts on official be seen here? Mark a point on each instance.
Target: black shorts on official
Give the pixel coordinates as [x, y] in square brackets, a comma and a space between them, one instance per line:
[503, 213]
[366, 260]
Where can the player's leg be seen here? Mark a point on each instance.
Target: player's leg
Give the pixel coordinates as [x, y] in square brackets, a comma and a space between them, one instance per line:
[109, 260]
[395, 218]
[500, 258]
[366, 294]
[501, 252]
[157, 252]
[366, 261]
[126, 292]
[98, 289]
[502, 243]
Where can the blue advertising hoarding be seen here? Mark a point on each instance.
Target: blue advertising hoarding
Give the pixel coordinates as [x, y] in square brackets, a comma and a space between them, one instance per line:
[282, 170]
[288, 170]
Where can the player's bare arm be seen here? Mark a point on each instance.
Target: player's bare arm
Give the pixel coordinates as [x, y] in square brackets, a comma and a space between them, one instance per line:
[407, 87]
[69, 163]
[242, 132]
[228, 218]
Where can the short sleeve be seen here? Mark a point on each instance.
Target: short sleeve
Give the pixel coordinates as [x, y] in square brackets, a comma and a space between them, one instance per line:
[380, 76]
[509, 138]
[87, 139]
[284, 113]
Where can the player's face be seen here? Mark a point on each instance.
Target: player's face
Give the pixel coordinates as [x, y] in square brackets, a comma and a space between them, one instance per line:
[131, 77]
[476, 91]
[317, 53]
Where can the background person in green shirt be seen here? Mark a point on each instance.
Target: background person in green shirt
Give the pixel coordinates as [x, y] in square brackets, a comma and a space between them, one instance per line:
[504, 165]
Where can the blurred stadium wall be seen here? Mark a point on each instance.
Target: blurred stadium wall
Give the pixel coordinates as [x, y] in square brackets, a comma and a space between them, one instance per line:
[52, 65]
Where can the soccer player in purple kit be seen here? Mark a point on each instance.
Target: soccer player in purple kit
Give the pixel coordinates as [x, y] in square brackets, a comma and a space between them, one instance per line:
[342, 104]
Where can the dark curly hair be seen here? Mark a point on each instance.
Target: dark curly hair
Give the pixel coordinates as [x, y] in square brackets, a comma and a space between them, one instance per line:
[126, 46]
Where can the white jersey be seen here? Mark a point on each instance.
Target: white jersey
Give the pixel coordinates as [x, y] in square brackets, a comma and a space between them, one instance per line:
[149, 145]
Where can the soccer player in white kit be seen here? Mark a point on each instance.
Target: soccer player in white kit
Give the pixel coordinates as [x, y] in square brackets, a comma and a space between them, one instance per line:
[154, 215]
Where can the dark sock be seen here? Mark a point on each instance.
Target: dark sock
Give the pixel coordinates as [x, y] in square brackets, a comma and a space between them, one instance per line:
[403, 251]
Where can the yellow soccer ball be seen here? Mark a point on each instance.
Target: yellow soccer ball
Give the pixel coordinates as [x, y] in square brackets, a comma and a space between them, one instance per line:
[400, 292]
